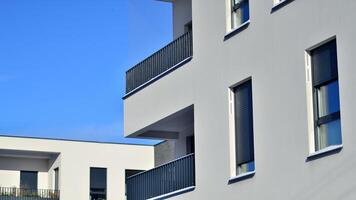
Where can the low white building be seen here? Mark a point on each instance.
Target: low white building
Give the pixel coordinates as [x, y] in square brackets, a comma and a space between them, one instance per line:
[71, 170]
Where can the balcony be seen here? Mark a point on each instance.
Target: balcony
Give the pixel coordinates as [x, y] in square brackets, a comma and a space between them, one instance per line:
[28, 194]
[160, 63]
[168, 179]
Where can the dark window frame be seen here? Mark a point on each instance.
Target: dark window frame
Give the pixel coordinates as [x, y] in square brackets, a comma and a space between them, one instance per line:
[318, 121]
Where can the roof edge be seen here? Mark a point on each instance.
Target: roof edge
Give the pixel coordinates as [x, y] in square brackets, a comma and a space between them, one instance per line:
[73, 140]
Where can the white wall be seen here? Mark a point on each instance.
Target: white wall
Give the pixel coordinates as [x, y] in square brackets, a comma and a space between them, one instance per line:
[159, 100]
[9, 178]
[42, 178]
[182, 14]
[53, 164]
[181, 142]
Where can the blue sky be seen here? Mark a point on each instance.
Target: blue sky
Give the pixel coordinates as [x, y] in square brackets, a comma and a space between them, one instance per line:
[63, 63]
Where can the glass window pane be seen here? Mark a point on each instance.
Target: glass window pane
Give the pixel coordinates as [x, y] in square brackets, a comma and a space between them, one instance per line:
[243, 123]
[28, 180]
[56, 179]
[245, 12]
[97, 183]
[329, 134]
[247, 167]
[328, 99]
[240, 15]
[324, 61]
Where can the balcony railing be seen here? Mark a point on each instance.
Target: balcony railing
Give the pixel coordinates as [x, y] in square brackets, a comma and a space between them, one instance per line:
[159, 63]
[168, 178]
[27, 194]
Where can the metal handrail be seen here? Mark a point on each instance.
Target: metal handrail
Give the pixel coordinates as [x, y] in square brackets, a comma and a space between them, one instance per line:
[13, 193]
[159, 62]
[169, 177]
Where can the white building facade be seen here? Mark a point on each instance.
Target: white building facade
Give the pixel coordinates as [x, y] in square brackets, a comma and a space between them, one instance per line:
[254, 99]
[49, 169]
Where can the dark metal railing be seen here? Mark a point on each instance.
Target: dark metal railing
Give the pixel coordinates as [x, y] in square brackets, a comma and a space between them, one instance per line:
[173, 176]
[7, 193]
[160, 62]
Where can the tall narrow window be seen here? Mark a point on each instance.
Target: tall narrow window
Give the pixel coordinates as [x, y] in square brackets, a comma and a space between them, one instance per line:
[239, 12]
[28, 180]
[243, 114]
[97, 183]
[326, 96]
[56, 178]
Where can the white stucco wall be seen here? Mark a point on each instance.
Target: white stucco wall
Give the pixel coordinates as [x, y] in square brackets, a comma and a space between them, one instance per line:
[74, 163]
[182, 14]
[159, 100]
[9, 178]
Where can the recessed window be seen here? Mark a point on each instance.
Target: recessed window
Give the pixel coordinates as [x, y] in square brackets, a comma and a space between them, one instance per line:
[56, 178]
[240, 13]
[242, 119]
[97, 183]
[29, 180]
[326, 100]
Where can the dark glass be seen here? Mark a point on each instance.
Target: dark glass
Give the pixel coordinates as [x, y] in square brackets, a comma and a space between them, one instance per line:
[56, 179]
[28, 180]
[324, 61]
[244, 123]
[98, 183]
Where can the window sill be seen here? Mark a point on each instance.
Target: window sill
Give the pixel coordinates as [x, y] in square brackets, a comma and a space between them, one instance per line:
[241, 177]
[237, 30]
[324, 152]
[279, 5]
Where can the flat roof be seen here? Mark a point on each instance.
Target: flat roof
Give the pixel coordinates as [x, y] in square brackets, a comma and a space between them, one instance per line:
[73, 140]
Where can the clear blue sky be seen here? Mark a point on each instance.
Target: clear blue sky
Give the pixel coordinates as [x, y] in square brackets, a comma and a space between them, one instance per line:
[63, 63]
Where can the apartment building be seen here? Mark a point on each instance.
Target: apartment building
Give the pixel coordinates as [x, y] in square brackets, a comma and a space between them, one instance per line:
[50, 169]
[254, 99]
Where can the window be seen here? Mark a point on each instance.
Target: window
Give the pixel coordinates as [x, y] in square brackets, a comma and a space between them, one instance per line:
[241, 107]
[326, 103]
[97, 183]
[28, 180]
[56, 178]
[239, 12]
